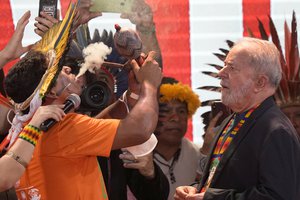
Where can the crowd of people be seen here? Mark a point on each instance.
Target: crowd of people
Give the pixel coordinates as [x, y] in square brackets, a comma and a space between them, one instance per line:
[253, 154]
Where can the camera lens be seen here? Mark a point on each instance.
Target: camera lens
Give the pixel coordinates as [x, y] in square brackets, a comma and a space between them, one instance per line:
[96, 95]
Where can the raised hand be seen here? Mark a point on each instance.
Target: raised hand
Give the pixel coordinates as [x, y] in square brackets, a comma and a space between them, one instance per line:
[149, 72]
[140, 15]
[84, 14]
[210, 134]
[14, 48]
[44, 23]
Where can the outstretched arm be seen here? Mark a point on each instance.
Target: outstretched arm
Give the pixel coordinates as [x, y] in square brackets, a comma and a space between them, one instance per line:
[142, 16]
[12, 165]
[14, 48]
[141, 121]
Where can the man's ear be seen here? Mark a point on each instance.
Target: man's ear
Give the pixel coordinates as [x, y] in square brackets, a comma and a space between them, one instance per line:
[52, 94]
[66, 69]
[261, 82]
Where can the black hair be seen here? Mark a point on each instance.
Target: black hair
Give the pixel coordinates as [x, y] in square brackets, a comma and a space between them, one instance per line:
[169, 80]
[23, 78]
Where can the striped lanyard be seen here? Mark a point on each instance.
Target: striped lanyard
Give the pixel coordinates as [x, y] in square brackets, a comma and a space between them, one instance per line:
[223, 142]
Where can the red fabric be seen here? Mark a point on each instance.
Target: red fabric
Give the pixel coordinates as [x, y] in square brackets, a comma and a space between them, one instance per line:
[6, 22]
[64, 7]
[253, 10]
[174, 40]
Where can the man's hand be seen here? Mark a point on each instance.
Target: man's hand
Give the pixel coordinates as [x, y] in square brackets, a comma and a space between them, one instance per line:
[46, 112]
[140, 15]
[187, 193]
[143, 163]
[149, 72]
[14, 48]
[210, 134]
[84, 14]
[44, 23]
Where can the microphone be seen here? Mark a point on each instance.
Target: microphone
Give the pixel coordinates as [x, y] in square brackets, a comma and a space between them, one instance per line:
[73, 101]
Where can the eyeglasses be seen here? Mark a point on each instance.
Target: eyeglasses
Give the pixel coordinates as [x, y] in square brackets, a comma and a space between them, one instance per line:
[59, 92]
[66, 83]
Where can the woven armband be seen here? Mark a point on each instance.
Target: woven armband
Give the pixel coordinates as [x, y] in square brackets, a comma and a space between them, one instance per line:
[30, 134]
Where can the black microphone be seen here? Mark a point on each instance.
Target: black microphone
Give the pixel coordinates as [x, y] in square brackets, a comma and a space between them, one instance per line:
[73, 101]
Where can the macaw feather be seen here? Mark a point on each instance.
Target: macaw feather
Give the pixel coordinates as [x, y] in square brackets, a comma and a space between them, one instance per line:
[220, 56]
[57, 40]
[262, 30]
[210, 88]
[218, 67]
[212, 74]
[294, 53]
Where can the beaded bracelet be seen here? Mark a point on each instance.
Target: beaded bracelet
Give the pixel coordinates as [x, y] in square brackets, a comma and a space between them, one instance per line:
[30, 134]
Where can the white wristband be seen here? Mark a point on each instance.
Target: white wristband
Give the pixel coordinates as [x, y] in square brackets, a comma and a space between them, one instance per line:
[134, 96]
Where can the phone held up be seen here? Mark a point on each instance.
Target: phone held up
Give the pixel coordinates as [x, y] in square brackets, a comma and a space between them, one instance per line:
[49, 7]
[218, 106]
[112, 6]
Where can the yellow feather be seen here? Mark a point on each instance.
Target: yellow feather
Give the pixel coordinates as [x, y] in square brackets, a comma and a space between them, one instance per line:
[55, 39]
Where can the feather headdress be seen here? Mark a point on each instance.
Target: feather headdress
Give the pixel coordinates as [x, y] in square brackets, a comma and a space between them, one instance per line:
[114, 64]
[53, 44]
[288, 92]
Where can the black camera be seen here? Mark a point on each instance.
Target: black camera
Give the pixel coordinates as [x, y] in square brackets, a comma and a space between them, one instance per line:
[97, 94]
[94, 98]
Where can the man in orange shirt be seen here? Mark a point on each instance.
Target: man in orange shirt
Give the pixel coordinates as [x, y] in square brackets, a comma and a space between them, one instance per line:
[64, 164]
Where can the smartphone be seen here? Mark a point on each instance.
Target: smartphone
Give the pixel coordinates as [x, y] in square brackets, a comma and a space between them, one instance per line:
[112, 6]
[218, 106]
[49, 7]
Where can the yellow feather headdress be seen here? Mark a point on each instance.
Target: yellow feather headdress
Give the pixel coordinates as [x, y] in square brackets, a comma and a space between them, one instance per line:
[181, 92]
[53, 44]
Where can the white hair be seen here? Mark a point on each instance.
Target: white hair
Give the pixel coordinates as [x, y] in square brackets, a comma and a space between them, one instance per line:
[264, 57]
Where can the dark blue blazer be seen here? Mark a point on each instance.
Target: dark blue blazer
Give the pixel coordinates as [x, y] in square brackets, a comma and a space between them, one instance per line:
[261, 163]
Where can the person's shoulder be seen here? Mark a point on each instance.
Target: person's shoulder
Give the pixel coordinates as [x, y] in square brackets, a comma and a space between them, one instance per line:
[190, 146]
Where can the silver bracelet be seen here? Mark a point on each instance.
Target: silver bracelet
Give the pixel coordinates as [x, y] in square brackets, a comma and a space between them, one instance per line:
[16, 158]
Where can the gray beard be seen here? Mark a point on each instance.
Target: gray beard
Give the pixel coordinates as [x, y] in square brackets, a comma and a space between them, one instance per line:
[238, 95]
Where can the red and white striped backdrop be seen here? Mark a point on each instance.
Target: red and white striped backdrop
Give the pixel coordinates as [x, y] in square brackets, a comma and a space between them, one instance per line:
[189, 31]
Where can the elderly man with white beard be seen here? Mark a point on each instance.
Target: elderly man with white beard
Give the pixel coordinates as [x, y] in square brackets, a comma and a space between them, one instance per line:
[256, 152]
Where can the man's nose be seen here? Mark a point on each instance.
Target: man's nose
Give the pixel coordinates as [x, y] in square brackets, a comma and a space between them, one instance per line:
[222, 73]
[174, 117]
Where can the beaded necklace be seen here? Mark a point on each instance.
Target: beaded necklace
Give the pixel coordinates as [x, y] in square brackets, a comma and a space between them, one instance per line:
[172, 166]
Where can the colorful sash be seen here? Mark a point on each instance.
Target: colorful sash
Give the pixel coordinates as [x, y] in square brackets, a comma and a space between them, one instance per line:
[223, 142]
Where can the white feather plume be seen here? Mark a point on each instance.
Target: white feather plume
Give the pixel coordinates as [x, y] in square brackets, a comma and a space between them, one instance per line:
[94, 56]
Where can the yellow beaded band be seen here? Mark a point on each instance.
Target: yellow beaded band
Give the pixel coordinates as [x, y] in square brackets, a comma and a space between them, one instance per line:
[16, 158]
[30, 134]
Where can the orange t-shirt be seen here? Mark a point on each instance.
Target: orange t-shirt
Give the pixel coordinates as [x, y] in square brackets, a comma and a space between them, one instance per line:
[64, 164]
